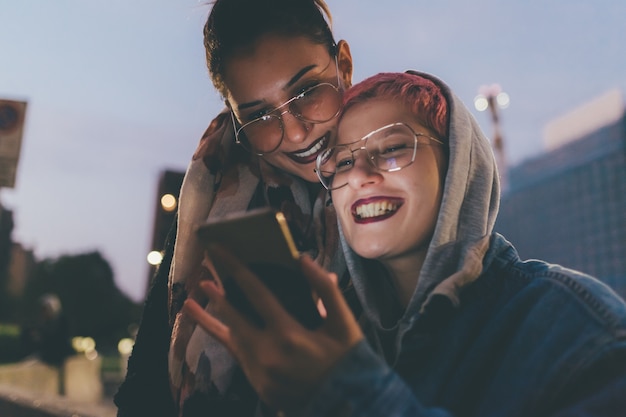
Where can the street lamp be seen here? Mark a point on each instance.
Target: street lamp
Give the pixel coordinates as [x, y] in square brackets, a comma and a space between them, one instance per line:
[492, 97]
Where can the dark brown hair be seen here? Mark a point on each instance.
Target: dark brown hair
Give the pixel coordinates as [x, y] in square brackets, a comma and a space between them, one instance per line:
[234, 25]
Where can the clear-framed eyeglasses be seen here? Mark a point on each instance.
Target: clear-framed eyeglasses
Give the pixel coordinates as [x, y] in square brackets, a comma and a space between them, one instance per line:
[389, 148]
[314, 104]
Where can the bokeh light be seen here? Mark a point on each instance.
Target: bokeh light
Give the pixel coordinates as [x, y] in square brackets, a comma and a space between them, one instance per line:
[125, 346]
[155, 257]
[503, 100]
[168, 202]
[481, 103]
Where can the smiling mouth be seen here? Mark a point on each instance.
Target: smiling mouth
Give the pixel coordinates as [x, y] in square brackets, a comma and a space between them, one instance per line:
[310, 154]
[372, 211]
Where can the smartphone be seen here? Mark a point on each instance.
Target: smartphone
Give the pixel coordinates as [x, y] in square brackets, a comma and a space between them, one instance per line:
[261, 239]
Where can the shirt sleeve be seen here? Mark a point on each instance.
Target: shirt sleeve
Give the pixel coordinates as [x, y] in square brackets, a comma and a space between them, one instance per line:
[145, 389]
[362, 384]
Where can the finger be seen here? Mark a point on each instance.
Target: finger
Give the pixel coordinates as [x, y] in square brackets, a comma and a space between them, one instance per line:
[321, 308]
[207, 262]
[325, 284]
[209, 323]
[239, 326]
[320, 304]
[213, 292]
[261, 298]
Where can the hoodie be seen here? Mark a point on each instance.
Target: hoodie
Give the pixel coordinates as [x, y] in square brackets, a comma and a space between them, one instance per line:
[484, 333]
[455, 255]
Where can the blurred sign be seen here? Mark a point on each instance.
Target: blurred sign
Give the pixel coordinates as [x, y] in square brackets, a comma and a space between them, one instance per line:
[12, 115]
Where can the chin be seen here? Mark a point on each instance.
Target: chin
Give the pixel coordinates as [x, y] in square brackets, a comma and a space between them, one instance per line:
[311, 177]
[370, 252]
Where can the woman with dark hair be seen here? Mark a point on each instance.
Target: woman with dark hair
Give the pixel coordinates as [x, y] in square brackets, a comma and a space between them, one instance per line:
[281, 74]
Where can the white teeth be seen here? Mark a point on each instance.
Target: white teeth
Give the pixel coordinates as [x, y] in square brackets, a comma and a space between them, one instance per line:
[375, 209]
[313, 150]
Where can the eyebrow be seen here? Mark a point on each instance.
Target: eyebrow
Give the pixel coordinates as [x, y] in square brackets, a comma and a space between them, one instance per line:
[290, 83]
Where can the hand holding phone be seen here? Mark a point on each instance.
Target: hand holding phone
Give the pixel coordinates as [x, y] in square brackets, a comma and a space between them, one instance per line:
[261, 239]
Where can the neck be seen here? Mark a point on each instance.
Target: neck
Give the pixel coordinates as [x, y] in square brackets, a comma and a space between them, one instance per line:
[405, 271]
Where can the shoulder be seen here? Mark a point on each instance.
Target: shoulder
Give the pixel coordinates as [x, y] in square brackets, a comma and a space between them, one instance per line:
[555, 287]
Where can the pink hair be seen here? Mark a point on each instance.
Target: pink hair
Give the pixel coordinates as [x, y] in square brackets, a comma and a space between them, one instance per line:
[420, 95]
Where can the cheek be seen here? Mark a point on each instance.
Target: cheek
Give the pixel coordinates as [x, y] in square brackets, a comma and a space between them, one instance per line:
[431, 173]
[276, 159]
[441, 159]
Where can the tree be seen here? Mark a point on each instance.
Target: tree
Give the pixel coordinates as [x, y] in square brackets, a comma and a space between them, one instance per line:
[89, 298]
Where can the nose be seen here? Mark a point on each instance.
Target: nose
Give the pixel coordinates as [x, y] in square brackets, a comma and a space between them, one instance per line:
[294, 129]
[363, 173]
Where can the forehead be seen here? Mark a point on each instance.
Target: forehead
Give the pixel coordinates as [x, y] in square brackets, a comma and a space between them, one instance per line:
[265, 69]
[363, 118]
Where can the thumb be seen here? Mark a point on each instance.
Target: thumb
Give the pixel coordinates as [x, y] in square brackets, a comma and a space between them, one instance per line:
[340, 320]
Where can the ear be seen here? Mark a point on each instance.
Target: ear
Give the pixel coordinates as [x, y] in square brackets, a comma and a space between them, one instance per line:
[344, 62]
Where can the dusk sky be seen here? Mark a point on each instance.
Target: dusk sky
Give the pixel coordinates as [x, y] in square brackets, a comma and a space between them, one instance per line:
[118, 91]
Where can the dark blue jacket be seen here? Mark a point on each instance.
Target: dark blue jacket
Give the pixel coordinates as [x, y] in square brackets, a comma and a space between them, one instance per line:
[527, 339]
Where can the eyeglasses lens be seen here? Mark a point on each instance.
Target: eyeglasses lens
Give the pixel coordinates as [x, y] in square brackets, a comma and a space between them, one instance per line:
[317, 104]
[388, 149]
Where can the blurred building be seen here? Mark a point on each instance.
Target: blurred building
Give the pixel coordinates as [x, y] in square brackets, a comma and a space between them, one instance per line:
[20, 268]
[568, 206]
[165, 208]
[12, 117]
[6, 229]
[6, 243]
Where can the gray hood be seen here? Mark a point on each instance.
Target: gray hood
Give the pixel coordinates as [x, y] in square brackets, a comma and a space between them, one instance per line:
[466, 219]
